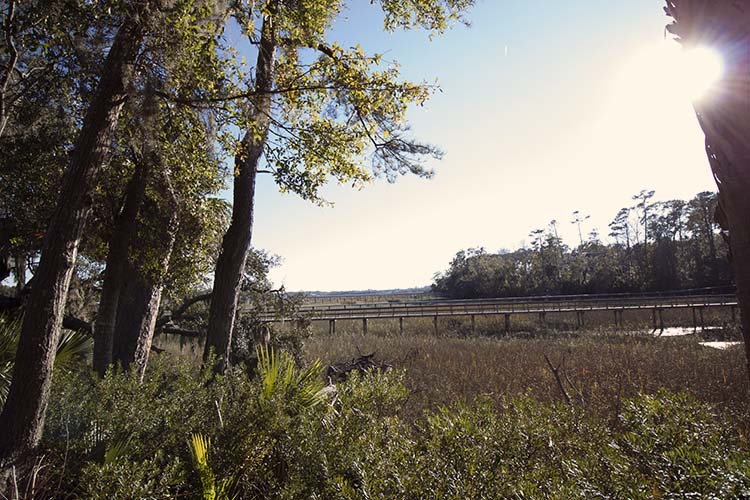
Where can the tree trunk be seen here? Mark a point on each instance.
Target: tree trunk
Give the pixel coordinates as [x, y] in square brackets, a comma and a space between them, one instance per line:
[22, 418]
[725, 120]
[20, 271]
[236, 241]
[709, 228]
[739, 239]
[724, 116]
[136, 320]
[137, 313]
[114, 272]
[734, 187]
[131, 309]
[141, 291]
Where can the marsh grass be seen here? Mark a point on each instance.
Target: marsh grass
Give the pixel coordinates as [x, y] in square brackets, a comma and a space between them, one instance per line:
[604, 363]
[604, 368]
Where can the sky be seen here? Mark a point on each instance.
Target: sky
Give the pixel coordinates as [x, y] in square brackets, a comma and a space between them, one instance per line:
[545, 107]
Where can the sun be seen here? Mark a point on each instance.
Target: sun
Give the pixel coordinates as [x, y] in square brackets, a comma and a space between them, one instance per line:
[666, 70]
[698, 69]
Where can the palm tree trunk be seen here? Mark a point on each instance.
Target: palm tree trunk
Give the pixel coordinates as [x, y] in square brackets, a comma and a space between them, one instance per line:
[236, 242]
[22, 418]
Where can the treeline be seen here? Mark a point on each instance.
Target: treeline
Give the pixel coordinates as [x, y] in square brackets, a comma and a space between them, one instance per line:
[667, 245]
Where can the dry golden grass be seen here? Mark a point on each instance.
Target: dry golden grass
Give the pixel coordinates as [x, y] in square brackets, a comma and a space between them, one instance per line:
[605, 368]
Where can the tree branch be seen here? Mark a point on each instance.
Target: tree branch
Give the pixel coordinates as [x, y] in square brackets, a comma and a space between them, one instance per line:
[178, 331]
[560, 385]
[178, 313]
[78, 325]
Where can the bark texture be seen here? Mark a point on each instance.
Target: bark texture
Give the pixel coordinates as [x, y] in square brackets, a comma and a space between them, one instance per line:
[236, 242]
[140, 295]
[136, 319]
[724, 116]
[114, 272]
[22, 418]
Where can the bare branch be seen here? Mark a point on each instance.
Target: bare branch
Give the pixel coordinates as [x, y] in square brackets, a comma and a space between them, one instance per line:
[556, 373]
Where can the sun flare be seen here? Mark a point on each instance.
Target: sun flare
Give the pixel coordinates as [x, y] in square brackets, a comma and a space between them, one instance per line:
[665, 69]
[698, 69]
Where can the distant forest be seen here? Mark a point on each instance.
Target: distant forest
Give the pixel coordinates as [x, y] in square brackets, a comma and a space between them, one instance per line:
[668, 245]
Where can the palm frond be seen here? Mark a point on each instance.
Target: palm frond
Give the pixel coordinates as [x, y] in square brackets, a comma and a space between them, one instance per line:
[280, 376]
[199, 446]
[116, 449]
[73, 348]
[9, 335]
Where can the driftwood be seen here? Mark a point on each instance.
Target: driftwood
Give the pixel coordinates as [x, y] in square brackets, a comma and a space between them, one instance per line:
[339, 372]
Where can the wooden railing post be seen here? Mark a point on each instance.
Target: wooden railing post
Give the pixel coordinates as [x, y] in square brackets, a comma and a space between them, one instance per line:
[695, 322]
[661, 321]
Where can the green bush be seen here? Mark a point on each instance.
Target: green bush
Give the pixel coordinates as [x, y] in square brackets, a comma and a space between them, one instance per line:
[285, 435]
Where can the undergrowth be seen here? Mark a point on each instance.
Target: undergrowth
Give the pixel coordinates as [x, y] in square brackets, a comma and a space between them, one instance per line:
[285, 434]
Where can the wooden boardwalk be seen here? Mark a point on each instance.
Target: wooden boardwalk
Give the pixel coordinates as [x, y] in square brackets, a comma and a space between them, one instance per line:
[578, 304]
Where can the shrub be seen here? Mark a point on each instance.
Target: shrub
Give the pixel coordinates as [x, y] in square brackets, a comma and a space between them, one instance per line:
[284, 435]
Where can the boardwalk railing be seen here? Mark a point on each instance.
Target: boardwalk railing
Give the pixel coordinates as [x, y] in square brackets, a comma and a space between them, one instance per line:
[520, 305]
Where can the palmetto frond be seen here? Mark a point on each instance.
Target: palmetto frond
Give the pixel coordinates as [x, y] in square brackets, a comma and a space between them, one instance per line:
[199, 447]
[72, 349]
[280, 376]
[9, 335]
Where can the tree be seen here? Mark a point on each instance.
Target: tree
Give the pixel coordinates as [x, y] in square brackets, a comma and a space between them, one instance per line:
[677, 249]
[724, 116]
[620, 227]
[173, 157]
[22, 417]
[41, 83]
[643, 208]
[578, 218]
[315, 111]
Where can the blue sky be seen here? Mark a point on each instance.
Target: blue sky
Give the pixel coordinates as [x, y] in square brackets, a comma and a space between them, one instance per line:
[546, 107]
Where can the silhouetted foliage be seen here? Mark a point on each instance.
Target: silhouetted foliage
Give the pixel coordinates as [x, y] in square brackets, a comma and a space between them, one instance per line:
[684, 250]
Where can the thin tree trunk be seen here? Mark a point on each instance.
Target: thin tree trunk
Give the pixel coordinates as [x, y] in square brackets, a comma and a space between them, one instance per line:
[114, 272]
[236, 242]
[709, 235]
[10, 64]
[20, 271]
[22, 418]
